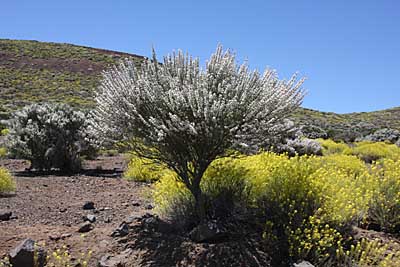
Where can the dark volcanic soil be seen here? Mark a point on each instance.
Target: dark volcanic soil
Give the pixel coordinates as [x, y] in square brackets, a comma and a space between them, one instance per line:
[49, 207]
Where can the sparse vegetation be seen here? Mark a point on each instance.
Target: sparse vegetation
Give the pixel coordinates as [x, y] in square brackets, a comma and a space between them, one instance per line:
[7, 183]
[307, 194]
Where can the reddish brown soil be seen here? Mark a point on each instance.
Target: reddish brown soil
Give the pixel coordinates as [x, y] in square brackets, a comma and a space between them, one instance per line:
[49, 207]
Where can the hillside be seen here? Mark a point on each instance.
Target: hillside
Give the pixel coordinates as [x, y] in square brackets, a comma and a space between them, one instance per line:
[32, 71]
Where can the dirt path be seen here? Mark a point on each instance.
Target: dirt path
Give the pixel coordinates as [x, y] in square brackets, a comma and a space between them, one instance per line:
[49, 208]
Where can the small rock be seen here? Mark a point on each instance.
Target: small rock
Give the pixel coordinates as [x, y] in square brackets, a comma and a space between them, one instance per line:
[55, 237]
[132, 218]
[207, 232]
[63, 210]
[63, 236]
[89, 205]
[122, 230]
[303, 264]
[149, 207]
[23, 255]
[90, 218]
[135, 204]
[108, 220]
[85, 227]
[5, 215]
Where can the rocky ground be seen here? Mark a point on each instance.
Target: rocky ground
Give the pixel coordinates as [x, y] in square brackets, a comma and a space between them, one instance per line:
[99, 211]
[54, 209]
[48, 207]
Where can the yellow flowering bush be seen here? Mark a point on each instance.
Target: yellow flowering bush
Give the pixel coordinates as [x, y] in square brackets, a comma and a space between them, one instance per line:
[62, 258]
[366, 253]
[349, 164]
[331, 147]
[3, 152]
[308, 202]
[372, 151]
[7, 183]
[385, 203]
[145, 170]
[224, 187]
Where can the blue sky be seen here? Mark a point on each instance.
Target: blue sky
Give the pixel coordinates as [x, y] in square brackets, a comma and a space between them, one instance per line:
[349, 50]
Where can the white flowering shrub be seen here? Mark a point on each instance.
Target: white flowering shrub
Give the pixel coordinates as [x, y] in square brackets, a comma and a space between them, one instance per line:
[290, 139]
[305, 146]
[50, 136]
[186, 116]
[382, 135]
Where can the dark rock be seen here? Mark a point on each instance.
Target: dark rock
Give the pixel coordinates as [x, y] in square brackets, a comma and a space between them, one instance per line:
[5, 215]
[135, 204]
[122, 230]
[23, 255]
[208, 232]
[90, 218]
[149, 207]
[62, 210]
[89, 205]
[85, 227]
[54, 237]
[132, 218]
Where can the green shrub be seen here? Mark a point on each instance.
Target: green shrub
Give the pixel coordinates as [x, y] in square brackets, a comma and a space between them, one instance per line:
[385, 204]
[224, 186]
[7, 183]
[366, 253]
[369, 151]
[331, 147]
[3, 152]
[4, 132]
[50, 136]
[145, 170]
[307, 203]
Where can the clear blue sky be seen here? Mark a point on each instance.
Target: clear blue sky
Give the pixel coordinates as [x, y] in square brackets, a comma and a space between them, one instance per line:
[348, 49]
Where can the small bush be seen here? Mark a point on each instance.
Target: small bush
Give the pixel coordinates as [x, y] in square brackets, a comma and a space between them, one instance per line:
[145, 170]
[332, 147]
[349, 164]
[305, 146]
[3, 152]
[385, 204]
[7, 183]
[366, 253]
[383, 135]
[4, 132]
[50, 136]
[369, 152]
[224, 186]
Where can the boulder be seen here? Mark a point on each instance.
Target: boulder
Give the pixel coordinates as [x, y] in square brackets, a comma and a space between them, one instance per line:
[24, 255]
